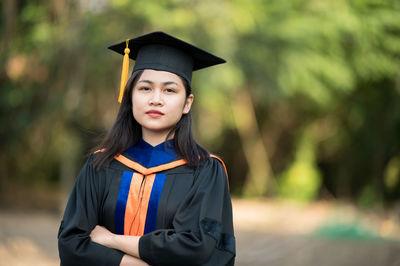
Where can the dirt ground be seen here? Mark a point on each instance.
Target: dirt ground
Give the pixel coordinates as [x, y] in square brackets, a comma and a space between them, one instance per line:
[267, 232]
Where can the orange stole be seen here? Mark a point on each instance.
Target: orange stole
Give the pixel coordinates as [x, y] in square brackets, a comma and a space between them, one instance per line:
[146, 171]
[137, 204]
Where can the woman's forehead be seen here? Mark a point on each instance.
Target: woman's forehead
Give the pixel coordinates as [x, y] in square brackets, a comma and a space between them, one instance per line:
[158, 76]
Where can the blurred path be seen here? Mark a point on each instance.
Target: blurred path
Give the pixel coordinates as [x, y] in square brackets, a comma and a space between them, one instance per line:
[263, 249]
[30, 238]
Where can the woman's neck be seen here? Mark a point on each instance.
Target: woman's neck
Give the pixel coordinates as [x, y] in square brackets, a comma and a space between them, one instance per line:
[155, 138]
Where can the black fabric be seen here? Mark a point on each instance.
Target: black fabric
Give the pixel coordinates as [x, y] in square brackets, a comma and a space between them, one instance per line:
[213, 228]
[163, 57]
[160, 51]
[186, 242]
[82, 214]
[194, 218]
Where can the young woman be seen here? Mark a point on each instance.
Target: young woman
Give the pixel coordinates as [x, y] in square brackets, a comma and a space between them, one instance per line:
[151, 195]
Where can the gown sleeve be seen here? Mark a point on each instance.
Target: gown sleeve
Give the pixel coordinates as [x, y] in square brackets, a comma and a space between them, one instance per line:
[202, 232]
[80, 217]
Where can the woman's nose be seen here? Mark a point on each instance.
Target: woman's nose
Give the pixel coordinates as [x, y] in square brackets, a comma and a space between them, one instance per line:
[156, 98]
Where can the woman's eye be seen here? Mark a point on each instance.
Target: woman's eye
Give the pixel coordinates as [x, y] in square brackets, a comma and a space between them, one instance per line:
[144, 88]
[170, 90]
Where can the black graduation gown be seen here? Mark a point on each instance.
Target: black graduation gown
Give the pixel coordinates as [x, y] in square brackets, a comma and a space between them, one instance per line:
[192, 224]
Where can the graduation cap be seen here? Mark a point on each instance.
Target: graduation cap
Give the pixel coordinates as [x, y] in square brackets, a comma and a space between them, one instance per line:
[160, 51]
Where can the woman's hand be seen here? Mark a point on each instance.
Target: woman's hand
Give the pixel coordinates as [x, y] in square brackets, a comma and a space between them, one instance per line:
[127, 244]
[102, 236]
[132, 261]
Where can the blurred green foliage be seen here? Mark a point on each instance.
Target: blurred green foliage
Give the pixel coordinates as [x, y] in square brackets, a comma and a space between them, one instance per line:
[302, 179]
[350, 230]
[323, 76]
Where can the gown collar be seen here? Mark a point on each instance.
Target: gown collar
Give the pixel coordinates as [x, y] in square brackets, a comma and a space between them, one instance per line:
[151, 156]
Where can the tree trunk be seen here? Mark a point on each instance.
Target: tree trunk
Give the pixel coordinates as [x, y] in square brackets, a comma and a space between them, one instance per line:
[10, 17]
[258, 180]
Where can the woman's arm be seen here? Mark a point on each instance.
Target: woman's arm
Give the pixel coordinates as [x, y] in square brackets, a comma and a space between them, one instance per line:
[128, 260]
[127, 244]
[80, 217]
[202, 229]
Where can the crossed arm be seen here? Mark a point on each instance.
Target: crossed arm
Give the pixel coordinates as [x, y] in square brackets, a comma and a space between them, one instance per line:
[127, 244]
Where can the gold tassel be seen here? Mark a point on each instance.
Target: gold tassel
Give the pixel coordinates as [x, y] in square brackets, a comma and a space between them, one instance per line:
[125, 69]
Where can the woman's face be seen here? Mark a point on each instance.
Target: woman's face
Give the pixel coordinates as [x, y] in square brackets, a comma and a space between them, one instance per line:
[159, 101]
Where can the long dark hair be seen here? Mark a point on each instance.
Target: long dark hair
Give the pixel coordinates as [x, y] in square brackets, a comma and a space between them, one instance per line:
[126, 131]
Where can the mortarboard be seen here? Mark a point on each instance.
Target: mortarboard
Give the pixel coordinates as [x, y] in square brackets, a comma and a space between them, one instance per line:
[160, 51]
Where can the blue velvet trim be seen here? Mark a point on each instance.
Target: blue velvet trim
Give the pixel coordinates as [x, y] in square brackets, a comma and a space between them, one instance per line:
[149, 156]
[151, 218]
[121, 202]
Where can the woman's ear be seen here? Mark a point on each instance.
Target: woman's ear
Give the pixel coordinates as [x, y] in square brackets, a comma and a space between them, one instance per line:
[188, 104]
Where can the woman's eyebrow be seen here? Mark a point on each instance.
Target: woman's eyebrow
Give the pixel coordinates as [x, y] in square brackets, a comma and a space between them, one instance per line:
[164, 83]
[146, 81]
[170, 82]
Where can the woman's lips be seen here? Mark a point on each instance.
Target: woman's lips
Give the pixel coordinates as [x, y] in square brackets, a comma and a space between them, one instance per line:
[154, 113]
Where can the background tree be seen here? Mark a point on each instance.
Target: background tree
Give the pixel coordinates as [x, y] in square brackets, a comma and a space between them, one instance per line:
[308, 106]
